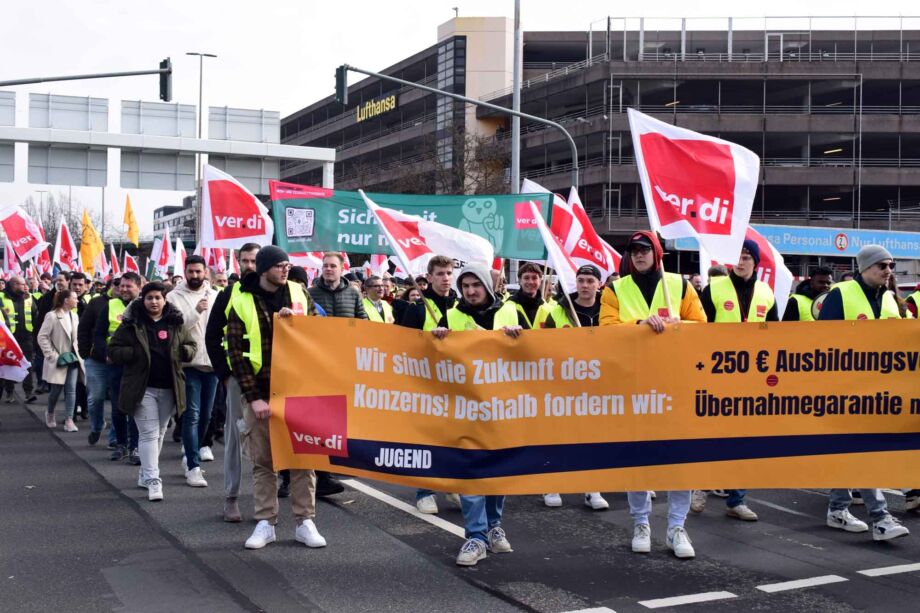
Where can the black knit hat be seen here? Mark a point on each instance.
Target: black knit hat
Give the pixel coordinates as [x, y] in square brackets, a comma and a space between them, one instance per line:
[269, 256]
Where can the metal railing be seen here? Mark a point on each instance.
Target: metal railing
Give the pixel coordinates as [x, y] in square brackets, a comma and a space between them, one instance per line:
[397, 128]
[776, 56]
[548, 76]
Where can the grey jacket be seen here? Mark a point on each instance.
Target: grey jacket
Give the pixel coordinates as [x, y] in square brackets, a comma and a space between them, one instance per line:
[342, 301]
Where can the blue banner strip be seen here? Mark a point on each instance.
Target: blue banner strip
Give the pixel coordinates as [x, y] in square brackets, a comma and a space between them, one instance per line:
[454, 463]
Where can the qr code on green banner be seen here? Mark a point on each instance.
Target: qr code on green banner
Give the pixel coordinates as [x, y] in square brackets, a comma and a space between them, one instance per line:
[299, 222]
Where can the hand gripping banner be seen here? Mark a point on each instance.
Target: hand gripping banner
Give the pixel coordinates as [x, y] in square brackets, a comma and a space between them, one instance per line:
[787, 405]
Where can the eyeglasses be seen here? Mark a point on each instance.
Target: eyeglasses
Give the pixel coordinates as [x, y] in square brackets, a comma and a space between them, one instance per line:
[640, 250]
[884, 265]
[283, 266]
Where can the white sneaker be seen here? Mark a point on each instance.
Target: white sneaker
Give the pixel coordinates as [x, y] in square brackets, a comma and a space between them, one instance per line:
[154, 490]
[69, 426]
[596, 501]
[498, 542]
[844, 520]
[427, 505]
[888, 529]
[472, 551]
[720, 493]
[742, 512]
[195, 477]
[454, 499]
[184, 463]
[642, 539]
[911, 499]
[307, 534]
[261, 536]
[205, 454]
[698, 501]
[652, 494]
[679, 542]
[140, 479]
[552, 500]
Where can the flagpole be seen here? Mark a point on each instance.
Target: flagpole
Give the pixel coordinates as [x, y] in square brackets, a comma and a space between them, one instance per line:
[572, 307]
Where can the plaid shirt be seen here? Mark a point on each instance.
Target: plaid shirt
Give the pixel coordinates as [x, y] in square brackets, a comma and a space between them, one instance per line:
[254, 386]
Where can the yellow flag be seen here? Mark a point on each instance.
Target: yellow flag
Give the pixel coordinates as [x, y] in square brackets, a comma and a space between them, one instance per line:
[90, 245]
[131, 222]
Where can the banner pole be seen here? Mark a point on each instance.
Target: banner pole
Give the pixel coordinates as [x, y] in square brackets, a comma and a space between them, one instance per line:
[572, 307]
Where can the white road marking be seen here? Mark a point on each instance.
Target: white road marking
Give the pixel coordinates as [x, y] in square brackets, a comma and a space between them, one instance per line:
[779, 507]
[593, 610]
[889, 570]
[434, 520]
[674, 601]
[770, 588]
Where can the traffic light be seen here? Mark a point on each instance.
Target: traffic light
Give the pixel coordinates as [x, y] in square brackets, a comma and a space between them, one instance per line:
[166, 80]
[341, 85]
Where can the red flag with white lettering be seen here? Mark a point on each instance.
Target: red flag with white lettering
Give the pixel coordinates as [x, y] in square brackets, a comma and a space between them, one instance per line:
[414, 240]
[65, 250]
[43, 260]
[131, 264]
[113, 258]
[13, 363]
[695, 185]
[23, 233]
[230, 215]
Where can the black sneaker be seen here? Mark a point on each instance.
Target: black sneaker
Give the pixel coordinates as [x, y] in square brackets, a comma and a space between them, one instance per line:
[133, 458]
[32, 398]
[327, 485]
[911, 500]
[112, 446]
[94, 437]
[118, 454]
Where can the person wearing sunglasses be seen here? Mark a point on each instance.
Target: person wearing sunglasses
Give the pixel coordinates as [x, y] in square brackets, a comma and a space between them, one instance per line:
[866, 297]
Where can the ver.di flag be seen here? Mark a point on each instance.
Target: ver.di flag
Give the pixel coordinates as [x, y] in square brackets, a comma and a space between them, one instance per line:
[415, 240]
[43, 261]
[591, 248]
[13, 363]
[116, 269]
[230, 215]
[556, 257]
[65, 250]
[23, 233]
[179, 260]
[695, 185]
[131, 264]
[10, 263]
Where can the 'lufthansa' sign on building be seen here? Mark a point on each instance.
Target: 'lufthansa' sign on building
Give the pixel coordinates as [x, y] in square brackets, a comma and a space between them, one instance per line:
[375, 107]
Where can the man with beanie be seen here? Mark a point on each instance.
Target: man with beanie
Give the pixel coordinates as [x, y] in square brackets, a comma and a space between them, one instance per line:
[194, 298]
[800, 302]
[739, 297]
[250, 323]
[638, 298]
[215, 337]
[478, 309]
[864, 297]
[587, 309]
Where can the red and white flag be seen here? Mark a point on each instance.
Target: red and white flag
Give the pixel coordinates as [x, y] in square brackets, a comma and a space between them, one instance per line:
[179, 260]
[165, 255]
[113, 258]
[234, 264]
[230, 215]
[216, 259]
[65, 250]
[131, 264]
[556, 257]
[307, 259]
[13, 363]
[695, 185]
[43, 260]
[591, 248]
[23, 233]
[414, 240]
[101, 265]
[376, 265]
[564, 224]
[10, 263]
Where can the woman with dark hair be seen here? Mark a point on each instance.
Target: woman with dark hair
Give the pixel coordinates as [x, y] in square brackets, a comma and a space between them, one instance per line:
[62, 366]
[400, 304]
[151, 345]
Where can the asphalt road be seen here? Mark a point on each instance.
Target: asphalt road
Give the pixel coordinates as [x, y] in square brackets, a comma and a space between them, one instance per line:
[76, 534]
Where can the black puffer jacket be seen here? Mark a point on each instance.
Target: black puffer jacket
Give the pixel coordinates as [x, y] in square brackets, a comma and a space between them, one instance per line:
[342, 301]
[130, 348]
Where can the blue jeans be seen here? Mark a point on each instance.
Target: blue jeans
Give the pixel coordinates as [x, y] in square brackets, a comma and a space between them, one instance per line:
[96, 384]
[200, 388]
[735, 497]
[876, 504]
[70, 392]
[481, 514]
[125, 428]
[640, 505]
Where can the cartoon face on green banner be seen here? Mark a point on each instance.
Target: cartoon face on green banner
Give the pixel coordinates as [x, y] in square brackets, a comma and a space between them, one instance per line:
[317, 219]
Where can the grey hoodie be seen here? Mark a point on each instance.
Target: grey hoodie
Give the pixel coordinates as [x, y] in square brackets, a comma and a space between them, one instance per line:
[185, 300]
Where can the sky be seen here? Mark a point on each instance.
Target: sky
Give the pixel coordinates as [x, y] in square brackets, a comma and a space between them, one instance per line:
[278, 55]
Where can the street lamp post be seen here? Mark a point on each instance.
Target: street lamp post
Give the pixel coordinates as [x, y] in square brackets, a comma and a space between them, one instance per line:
[201, 57]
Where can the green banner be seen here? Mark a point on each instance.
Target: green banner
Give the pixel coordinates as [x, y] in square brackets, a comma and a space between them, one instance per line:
[317, 219]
